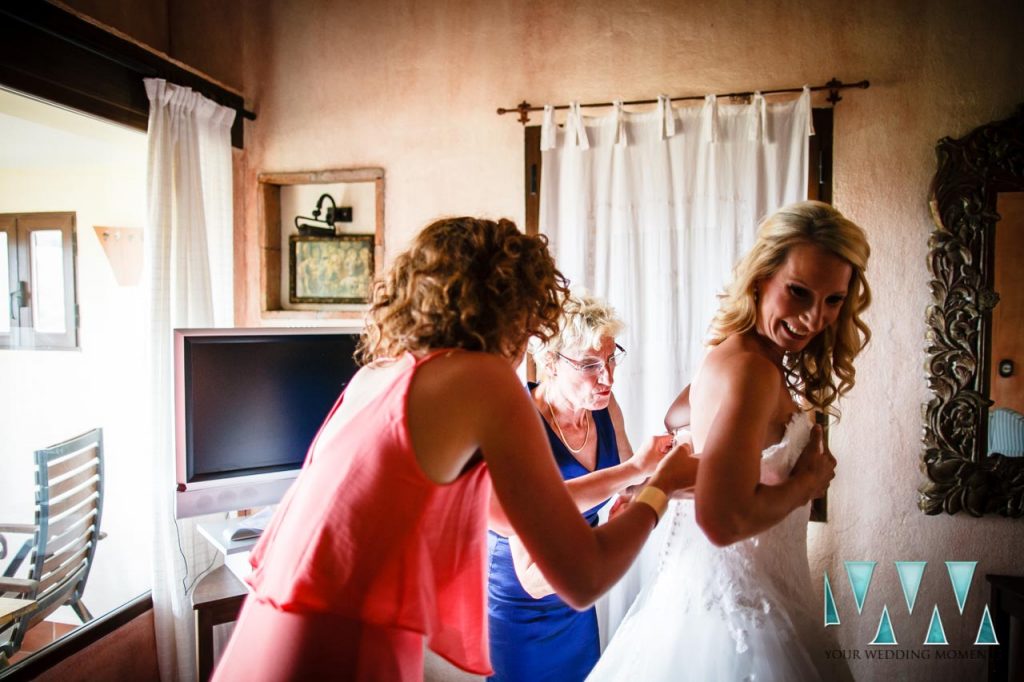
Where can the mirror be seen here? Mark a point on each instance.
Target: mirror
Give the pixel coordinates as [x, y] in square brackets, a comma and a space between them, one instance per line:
[973, 322]
[1006, 387]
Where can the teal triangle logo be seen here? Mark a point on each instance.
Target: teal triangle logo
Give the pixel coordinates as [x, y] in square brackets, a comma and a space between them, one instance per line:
[884, 635]
[960, 574]
[986, 632]
[831, 614]
[936, 633]
[859, 573]
[910, 573]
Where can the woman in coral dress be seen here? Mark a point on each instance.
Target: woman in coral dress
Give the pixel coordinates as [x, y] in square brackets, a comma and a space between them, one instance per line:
[378, 549]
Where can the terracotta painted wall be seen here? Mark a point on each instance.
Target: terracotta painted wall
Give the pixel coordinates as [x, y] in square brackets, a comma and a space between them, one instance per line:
[413, 87]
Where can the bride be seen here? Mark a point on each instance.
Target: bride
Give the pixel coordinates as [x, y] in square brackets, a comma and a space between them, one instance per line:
[733, 598]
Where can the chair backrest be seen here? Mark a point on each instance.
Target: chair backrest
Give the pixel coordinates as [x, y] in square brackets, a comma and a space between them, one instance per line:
[69, 507]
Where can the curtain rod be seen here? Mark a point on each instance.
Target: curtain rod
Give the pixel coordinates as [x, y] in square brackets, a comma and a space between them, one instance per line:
[833, 86]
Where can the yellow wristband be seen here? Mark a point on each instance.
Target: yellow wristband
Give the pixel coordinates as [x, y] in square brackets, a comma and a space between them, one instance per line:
[655, 498]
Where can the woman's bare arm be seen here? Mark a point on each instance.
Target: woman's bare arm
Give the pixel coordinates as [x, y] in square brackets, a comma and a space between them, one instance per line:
[531, 579]
[596, 487]
[473, 400]
[587, 491]
[678, 414]
[731, 502]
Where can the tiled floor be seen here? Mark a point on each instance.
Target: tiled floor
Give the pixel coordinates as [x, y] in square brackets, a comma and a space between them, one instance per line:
[39, 636]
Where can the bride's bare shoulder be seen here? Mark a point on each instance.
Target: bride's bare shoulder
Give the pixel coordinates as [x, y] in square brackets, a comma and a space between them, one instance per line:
[738, 360]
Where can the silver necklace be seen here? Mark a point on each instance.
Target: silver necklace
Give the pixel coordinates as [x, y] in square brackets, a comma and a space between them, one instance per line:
[571, 449]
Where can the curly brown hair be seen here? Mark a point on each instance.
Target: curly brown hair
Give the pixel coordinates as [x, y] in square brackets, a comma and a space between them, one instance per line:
[465, 283]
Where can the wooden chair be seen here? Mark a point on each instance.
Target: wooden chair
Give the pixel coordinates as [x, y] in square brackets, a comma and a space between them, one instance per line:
[69, 505]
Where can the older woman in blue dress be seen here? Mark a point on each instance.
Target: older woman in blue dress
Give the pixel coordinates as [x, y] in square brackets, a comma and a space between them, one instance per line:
[534, 635]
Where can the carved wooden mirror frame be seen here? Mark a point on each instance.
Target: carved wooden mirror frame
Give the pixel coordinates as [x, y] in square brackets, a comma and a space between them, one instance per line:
[971, 173]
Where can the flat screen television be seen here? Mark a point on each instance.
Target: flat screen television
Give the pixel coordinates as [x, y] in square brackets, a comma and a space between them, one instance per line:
[247, 404]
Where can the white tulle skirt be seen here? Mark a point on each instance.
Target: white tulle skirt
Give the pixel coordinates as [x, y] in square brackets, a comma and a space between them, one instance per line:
[663, 644]
[744, 613]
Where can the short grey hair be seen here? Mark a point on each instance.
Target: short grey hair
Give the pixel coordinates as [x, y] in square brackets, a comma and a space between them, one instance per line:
[585, 321]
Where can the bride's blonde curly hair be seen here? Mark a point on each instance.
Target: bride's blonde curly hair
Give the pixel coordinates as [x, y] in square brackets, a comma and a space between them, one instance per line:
[824, 370]
[465, 283]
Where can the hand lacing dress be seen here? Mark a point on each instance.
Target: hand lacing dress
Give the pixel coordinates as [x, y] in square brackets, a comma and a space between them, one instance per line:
[743, 612]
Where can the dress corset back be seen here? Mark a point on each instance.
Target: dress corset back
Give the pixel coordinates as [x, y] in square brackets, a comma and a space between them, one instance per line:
[743, 612]
[735, 576]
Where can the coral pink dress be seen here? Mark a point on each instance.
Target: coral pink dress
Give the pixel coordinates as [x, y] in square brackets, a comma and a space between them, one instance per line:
[364, 536]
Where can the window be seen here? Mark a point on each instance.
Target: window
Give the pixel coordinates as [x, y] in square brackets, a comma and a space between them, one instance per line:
[93, 172]
[37, 280]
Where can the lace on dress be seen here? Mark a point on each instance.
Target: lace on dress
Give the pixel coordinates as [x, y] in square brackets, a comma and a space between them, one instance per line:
[742, 612]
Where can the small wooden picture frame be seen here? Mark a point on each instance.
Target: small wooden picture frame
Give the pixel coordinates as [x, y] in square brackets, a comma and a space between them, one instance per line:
[335, 269]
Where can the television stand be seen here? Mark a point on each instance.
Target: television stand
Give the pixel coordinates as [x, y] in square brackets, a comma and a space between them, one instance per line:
[236, 552]
[217, 599]
[218, 596]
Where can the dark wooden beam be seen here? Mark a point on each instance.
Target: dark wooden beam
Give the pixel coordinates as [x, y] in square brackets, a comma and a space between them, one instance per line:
[51, 53]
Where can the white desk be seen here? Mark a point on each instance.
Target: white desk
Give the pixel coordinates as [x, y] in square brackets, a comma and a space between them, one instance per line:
[219, 595]
[214, 532]
[236, 552]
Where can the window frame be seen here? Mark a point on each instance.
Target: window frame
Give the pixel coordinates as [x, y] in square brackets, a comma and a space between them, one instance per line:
[19, 228]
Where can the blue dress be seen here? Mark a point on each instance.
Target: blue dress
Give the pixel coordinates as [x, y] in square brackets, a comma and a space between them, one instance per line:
[544, 639]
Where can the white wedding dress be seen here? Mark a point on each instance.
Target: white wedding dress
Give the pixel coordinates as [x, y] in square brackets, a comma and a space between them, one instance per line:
[743, 612]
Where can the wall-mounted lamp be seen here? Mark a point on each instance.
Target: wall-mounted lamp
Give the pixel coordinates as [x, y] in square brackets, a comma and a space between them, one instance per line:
[123, 247]
[332, 214]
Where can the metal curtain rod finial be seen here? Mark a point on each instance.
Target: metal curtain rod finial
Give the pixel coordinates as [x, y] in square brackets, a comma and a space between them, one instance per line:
[833, 86]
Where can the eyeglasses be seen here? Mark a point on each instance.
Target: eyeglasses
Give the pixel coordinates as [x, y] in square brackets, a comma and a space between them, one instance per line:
[592, 368]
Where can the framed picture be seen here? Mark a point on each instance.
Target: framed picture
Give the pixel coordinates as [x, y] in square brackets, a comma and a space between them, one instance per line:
[335, 269]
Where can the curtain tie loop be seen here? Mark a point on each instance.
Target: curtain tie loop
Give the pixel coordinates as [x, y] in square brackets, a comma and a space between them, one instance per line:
[758, 119]
[710, 118]
[574, 127]
[548, 129]
[668, 118]
[620, 125]
[805, 109]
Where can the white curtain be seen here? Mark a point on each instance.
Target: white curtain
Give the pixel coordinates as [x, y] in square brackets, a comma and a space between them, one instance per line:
[650, 211]
[188, 271]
